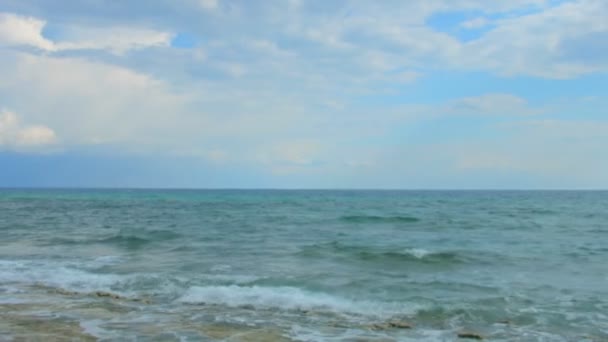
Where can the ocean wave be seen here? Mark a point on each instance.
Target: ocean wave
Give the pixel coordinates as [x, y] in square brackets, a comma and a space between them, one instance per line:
[55, 275]
[383, 255]
[107, 260]
[129, 241]
[287, 298]
[417, 252]
[371, 219]
[231, 278]
[417, 256]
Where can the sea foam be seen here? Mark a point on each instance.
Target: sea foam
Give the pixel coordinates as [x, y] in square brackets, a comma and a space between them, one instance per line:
[286, 298]
[55, 275]
[417, 252]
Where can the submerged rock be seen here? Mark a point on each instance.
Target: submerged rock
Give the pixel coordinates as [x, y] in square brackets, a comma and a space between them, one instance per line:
[378, 326]
[391, 324]
[141, 300]
[470, 335]
[400, 325]
[107, 294]
[236, 333]
[260, 335]
[65, 292]
[103, 294]
[33, 328]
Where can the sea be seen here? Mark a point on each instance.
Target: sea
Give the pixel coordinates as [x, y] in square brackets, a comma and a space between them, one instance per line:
[303, 265]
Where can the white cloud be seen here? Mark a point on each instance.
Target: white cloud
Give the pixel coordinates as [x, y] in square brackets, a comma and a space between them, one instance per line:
[98, 103]
[15, 135]
[16, 30]
[290, 157]
[561, 149]
[292, 87]
[21, 30]
[114, 39]
[510, 49]
[268, 47]
[232, 69]
[493, 104]
[8, 124]
[36, 135]
[398, 36]
[209, 4]
[88, 102]
[564, 130]
[295, 152]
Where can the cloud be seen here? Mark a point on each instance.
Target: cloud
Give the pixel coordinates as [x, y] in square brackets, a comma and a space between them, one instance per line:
[209, 4]
[115, 39]
[15, 135]
[492, 104]
[357, 41]
[385, 90]
[570, 149]
[295, 152]
[96, 103]
[88, 102]
[22, 30]
[392, 36]
[509, 49]
[17, 30]
[36, 135]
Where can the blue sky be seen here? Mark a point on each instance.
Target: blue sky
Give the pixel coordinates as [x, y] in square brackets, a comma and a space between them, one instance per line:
[304, 93]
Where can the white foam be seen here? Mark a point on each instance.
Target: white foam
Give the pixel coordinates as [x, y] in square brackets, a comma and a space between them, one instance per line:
[56, 275]
[240, 279]
[92, 327]
[107, 260]
[310, 333]
[417, 252]
[287, 298]
[11, 301]
[221, 268]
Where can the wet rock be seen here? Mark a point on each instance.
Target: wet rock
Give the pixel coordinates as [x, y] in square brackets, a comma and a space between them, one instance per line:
[236, 333]
[378, 326]
[260, 335]
[107, 295]
[65, 292]
[141, 300]
[102, 294]
[32, 328]
[391, 325]
[470, 335]
[219, 331]
[400, 325]
[337, 324]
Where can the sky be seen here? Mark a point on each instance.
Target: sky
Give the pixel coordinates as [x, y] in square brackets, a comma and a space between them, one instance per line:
[416, 94]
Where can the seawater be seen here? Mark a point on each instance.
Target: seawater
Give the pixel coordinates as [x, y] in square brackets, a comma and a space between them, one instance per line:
[231, 265]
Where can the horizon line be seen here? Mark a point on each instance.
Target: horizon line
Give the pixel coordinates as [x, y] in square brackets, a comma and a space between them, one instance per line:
[285, 188]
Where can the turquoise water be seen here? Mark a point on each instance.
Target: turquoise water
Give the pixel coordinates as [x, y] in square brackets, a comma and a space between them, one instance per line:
[303, 265]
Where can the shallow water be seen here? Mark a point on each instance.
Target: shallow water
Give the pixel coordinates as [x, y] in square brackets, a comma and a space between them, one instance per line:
[303, 265]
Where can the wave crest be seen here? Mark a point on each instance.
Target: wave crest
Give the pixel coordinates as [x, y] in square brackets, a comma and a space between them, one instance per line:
[384, 255]
[371, 219]
[284, 298]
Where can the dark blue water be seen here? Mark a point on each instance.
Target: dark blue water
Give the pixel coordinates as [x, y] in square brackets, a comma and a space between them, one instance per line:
[303, 265]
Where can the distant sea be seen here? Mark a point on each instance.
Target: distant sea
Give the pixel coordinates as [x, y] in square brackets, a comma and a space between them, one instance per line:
[263, 265]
